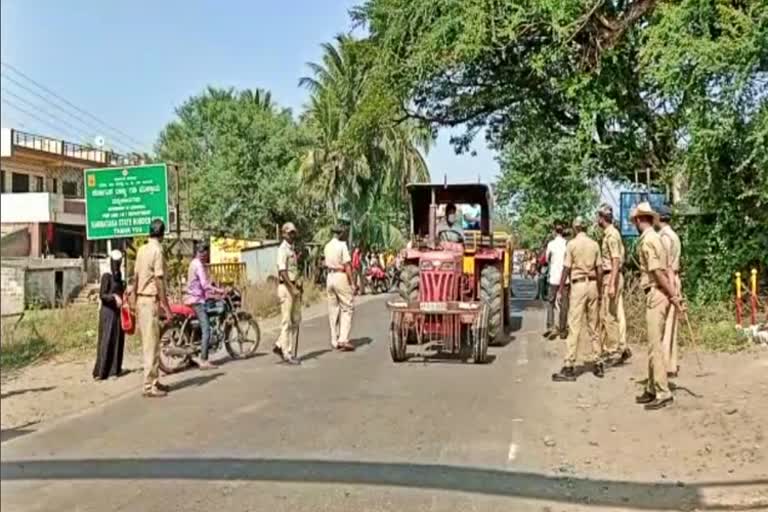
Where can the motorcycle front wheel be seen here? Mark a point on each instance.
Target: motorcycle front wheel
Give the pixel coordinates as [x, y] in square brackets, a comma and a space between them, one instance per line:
[243, 336]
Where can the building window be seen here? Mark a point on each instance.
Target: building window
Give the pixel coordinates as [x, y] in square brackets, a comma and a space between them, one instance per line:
[69, 188]
[19, 182]
[39, 184]
[55, 186]
[2, 183]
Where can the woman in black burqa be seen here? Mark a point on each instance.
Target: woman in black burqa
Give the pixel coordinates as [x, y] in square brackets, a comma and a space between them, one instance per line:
[109, 353]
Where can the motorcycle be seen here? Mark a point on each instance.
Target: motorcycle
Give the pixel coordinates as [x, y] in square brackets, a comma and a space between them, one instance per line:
[180, 337]
[376, 279]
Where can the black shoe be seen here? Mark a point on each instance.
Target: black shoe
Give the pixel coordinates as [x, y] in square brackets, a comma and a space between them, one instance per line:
[547, 333]
[277, 351]
[564, 334]
[659, 404]
[566, 374]
[645, 398]
[625, 356]
[598, 370]
[671, 375]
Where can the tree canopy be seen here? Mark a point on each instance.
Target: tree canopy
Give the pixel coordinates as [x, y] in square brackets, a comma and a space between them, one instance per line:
[240, 153]
[573, 91]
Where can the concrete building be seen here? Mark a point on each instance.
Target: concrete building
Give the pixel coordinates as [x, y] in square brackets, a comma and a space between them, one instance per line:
[42, 209]
[40, 282]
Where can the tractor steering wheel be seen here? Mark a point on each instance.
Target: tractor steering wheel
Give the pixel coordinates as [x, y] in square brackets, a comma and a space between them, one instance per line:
[451, 235]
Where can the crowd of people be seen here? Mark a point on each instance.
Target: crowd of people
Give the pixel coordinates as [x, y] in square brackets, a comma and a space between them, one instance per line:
[582, 281]
[583, 284]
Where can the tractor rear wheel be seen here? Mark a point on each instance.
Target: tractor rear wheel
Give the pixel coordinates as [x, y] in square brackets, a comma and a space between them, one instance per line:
[492, 294]
[409, 283]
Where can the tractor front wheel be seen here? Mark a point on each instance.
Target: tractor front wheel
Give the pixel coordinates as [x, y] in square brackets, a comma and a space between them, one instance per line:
[492, 295]
[397, 339]
[479, 332]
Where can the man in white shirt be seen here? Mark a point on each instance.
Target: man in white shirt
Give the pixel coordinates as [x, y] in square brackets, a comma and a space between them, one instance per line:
[556, 304]
[471, 214]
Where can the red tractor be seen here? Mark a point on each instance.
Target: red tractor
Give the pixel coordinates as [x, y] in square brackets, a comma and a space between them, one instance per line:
[454, 283]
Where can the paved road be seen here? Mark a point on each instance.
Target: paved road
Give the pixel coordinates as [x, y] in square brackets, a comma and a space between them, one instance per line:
[344, 432]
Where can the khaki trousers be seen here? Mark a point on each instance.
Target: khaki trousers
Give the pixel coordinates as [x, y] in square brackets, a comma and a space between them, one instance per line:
[669, 342]
[656, 308]
[582, 311]
[612, 318]
[340, 307]
[290, 318]
[149, 329]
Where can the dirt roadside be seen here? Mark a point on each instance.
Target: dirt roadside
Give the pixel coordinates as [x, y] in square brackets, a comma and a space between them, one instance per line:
[63, 386]
[713, 438]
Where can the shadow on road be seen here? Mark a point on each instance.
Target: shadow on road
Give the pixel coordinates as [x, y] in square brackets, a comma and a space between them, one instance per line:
[564, 489]
[12, 433]
[360, 342]
[25, 391]
[200, 380]
[424, 358]
[314, 354]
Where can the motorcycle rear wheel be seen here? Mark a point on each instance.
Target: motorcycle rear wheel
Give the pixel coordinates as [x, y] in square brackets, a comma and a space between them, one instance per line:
[174, 337]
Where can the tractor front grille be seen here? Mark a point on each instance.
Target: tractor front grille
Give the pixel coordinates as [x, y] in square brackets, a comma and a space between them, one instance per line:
[438, 286]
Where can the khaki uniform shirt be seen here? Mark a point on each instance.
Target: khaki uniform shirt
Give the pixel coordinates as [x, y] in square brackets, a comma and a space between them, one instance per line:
[612, 248]
[652, 257]
[672, 246]
[336, 254]
[582, 256]
[287, 260]
[149, 267]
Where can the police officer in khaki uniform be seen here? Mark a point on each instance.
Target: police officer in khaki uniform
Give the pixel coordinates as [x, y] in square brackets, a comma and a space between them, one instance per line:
[583, 266]
[673, 247]
[340, 289]
[659, 293]
[150, 293]
[289, 294]
[613, 340]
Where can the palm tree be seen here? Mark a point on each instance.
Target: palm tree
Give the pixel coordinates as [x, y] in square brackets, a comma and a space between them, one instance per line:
[259, 97]
[360, 163]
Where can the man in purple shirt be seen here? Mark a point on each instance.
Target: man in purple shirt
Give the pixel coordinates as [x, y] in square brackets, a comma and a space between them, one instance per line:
[200, 289]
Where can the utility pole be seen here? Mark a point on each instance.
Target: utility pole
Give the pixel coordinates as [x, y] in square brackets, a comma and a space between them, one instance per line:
[178, 201]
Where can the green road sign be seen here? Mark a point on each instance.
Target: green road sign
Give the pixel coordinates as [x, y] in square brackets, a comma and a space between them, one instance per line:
[121, 202]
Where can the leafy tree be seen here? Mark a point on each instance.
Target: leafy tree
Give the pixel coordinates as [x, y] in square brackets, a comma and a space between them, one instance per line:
[239, 152]
[573, 91]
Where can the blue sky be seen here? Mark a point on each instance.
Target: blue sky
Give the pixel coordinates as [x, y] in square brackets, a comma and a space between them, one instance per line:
[131, 63]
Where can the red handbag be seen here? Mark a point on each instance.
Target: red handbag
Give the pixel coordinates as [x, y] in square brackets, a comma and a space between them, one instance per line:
[127, 320]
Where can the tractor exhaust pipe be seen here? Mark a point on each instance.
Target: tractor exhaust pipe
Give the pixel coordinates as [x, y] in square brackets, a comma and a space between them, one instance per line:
[432, 243]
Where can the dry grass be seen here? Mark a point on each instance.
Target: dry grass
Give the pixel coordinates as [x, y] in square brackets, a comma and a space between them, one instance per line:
[41, 334]
[44, 333]
[261, 300]
[712, 324]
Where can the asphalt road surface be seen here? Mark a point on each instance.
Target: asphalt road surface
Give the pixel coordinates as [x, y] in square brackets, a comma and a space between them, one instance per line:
[356, 432]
